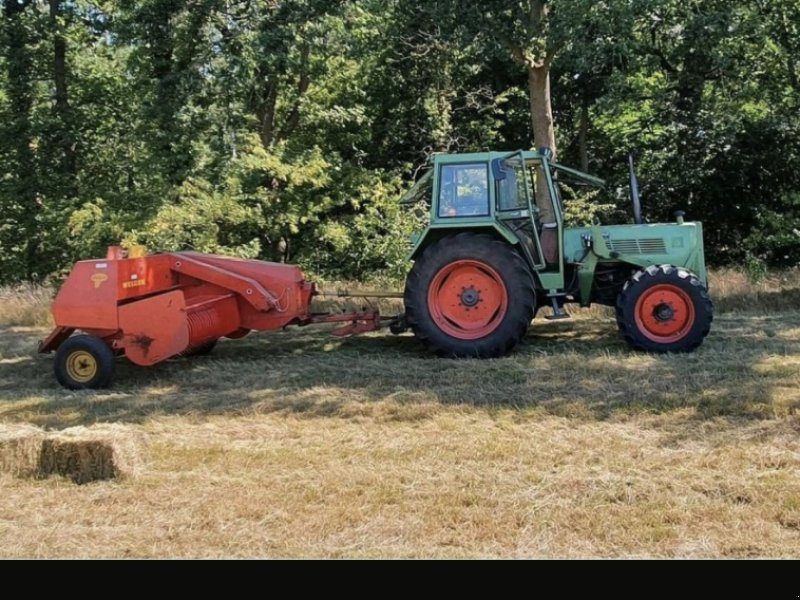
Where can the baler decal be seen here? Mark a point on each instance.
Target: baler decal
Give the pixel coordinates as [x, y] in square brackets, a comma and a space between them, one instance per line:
[99, 279]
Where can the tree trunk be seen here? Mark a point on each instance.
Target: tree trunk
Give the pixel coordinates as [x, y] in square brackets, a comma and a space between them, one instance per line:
[539, 81]
[60, 75]
[543, 131]
[267, 115]
[304, 81]
[792, 71]
[541, 108]
[583, 135]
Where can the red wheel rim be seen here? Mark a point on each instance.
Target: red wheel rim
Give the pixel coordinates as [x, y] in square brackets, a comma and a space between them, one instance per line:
[665, 313]
[468, 299]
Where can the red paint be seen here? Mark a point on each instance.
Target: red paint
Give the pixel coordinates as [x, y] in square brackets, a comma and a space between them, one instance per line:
[153, 329]
[664, 313]
[156, 307]
[468, 299]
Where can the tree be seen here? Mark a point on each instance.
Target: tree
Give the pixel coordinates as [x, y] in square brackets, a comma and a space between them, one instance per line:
[285, 130]
[20, 228]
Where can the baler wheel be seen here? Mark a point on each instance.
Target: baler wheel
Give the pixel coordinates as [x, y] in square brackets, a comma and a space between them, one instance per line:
[664, 309]
[470, 295]
[84, 362]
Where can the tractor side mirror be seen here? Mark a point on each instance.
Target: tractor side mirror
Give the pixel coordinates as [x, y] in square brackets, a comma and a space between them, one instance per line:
[498, 171]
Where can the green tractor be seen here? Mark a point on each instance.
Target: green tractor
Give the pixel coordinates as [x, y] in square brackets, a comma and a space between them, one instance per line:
[497, 250]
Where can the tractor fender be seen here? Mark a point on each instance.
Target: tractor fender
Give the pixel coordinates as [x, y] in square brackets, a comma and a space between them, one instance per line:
[436, 232]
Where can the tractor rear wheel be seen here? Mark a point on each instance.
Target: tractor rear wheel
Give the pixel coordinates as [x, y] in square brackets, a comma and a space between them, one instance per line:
[84, 362]
[470, 295]
[664, 309]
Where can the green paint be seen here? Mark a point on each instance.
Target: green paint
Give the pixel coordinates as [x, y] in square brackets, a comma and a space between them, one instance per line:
[464, 183]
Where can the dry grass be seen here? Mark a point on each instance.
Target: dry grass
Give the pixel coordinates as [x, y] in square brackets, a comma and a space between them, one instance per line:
[734, 292]
[81, 454]
[296, 444]
[26, 306]
[89, 454]
[20, 450]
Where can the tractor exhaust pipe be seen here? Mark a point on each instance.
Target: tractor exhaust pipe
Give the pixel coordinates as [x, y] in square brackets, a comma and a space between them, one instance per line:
[635, 196]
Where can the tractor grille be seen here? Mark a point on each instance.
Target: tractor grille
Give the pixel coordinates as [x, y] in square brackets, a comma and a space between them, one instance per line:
[644, 246]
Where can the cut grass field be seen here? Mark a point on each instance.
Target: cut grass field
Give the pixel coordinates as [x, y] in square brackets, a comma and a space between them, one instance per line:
[296, 444]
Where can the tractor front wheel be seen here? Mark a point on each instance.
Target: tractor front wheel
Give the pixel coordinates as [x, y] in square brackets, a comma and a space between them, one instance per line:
[84, 362]
[470, 295]
[664, 309]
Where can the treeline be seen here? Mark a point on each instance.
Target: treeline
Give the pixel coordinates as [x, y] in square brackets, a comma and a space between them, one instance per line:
[287, 129]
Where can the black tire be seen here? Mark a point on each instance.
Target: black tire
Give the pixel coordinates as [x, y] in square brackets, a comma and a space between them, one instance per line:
[203, 350]
[84, 362]
[499, 256]
[687, 288]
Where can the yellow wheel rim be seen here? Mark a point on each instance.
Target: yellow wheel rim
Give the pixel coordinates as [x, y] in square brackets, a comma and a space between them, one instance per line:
[81, 366]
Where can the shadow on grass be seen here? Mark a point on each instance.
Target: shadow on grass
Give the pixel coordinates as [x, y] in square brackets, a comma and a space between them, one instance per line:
[748, 369]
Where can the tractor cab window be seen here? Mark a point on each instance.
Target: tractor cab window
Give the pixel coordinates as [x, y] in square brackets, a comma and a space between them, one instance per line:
[512, 176]
[464, 190]
[511, 192]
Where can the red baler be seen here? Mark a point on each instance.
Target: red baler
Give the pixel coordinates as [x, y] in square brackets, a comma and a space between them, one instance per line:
[153, 308]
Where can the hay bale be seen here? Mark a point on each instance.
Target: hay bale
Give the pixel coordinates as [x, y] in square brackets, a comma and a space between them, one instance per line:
[20, 448]
[87, 454]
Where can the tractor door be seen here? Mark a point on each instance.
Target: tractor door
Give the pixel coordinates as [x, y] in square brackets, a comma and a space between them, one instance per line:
[515, 206]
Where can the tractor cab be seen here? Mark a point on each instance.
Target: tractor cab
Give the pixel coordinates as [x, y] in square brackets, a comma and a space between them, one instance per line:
[513, 195]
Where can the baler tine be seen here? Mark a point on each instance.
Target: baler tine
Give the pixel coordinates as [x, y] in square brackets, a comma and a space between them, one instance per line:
[153, 308]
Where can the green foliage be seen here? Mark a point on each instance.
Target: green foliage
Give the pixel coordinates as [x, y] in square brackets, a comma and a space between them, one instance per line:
[288, 130]
[776, 240]
[586, 208]
[755, 268]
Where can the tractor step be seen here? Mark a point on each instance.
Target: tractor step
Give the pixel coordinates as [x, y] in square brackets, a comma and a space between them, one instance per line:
[559, 314]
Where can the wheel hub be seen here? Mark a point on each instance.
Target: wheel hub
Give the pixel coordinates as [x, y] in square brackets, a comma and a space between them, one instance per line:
[664, 313]
[81, 366]
[470, 297]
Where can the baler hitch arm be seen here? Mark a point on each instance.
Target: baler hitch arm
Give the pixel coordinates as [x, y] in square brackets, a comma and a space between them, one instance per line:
[358, 322]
